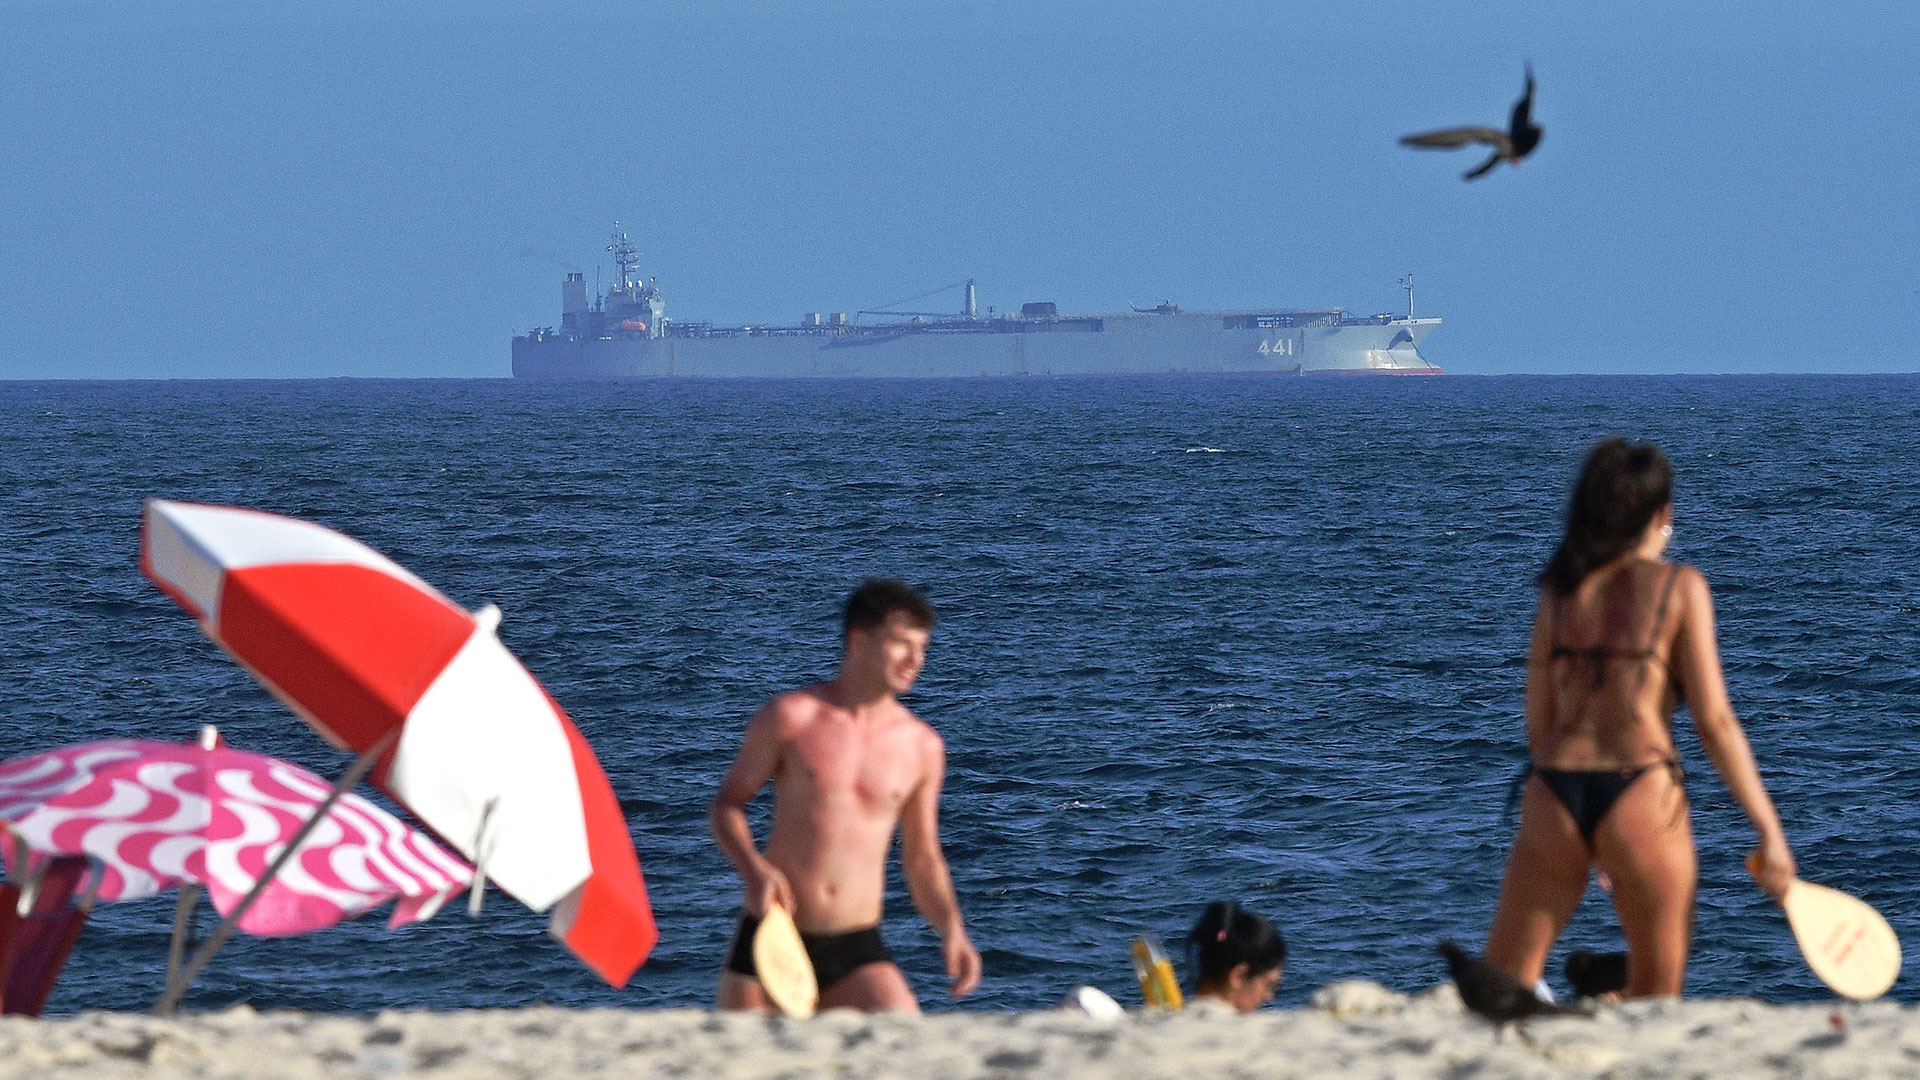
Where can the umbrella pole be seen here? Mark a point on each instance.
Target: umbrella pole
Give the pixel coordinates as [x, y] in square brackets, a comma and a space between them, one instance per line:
[177, 988]
[182, 919]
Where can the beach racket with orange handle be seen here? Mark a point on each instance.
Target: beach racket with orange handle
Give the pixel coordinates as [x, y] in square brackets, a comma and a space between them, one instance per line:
[786, 974]
[1846, 942]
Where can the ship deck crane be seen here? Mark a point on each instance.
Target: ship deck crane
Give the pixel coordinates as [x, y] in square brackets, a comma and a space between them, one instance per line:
[971, 309]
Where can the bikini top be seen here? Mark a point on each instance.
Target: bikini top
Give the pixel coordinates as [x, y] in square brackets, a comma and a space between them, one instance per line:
[1597, 656]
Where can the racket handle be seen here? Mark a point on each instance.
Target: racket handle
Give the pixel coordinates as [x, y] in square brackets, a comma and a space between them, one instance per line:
[1753, 867]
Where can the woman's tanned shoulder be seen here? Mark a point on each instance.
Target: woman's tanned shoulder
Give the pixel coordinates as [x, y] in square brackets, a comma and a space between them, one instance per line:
[1689, 580]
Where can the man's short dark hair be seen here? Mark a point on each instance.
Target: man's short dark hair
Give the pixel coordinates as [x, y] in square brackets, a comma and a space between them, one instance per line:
[877, 598]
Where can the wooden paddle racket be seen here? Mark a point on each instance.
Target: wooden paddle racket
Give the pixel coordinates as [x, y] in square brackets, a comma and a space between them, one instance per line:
[786, 974]
[1846, 942]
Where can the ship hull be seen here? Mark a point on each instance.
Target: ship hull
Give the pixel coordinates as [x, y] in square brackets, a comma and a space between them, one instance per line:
[1124, 344]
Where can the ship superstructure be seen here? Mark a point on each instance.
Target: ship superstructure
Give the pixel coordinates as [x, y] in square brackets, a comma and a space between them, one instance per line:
[626, 333]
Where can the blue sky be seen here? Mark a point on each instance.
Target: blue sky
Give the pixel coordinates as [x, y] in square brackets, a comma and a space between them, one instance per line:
[323, 188]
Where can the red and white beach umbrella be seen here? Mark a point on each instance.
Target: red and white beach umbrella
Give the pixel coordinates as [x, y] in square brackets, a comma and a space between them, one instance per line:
[153, 815]
[361, 648]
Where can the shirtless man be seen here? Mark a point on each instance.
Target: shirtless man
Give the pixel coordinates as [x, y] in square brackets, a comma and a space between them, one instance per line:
[849, 766]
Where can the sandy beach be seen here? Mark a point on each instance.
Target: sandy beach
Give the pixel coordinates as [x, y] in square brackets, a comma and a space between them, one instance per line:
[1352, 1030]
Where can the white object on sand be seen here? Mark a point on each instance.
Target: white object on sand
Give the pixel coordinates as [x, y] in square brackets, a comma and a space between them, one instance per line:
[1094, 1002]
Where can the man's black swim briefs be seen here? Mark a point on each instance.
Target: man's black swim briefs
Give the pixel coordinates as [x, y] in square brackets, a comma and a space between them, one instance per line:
[834, 956]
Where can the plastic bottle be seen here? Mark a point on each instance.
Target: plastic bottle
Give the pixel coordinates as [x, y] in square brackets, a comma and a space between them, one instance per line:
[1157, 982]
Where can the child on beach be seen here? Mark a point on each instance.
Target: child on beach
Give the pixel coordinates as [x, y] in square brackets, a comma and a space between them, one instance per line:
[1238, 956]
[1621, 637]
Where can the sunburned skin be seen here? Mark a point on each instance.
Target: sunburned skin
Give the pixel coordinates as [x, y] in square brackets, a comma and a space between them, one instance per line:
[840, 785]
[849, 765]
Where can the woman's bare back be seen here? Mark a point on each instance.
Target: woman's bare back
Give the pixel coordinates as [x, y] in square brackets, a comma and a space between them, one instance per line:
[1604, 656]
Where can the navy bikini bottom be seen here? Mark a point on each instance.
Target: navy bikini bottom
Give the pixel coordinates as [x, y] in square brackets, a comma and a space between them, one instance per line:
[1589, 793]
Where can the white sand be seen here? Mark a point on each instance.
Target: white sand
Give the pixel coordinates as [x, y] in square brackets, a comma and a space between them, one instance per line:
[1353, 1030]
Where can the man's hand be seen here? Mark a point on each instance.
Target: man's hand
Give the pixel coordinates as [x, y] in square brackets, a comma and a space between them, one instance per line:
[963, 964]
[766, 887]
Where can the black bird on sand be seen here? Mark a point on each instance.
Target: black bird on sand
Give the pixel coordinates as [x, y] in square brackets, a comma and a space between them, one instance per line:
[1593, 974]
[1521, 136]
[1495, 995]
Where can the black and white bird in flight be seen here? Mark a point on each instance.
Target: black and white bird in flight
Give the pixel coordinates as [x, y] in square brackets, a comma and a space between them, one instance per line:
[1521, 136]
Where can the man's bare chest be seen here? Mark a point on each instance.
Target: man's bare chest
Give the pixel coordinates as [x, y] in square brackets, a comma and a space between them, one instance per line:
[875, 770]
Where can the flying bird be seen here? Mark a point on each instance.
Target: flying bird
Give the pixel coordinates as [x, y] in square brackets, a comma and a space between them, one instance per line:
[1521, 136]
[1493, 994]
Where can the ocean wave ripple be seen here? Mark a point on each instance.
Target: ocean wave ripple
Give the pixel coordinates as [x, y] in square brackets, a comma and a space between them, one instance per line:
[1288, 672]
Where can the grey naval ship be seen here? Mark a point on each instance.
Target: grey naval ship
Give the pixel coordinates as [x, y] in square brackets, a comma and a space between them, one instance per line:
[626, 333]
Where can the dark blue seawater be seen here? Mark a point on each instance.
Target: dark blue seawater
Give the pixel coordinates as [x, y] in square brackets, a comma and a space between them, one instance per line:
[1203, 638]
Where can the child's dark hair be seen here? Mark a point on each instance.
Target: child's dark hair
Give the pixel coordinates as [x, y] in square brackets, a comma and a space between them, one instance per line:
[877, 598]
[1228, 935]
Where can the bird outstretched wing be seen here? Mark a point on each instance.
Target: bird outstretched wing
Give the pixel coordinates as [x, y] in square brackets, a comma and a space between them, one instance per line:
[1449, 138]
[1485, 166]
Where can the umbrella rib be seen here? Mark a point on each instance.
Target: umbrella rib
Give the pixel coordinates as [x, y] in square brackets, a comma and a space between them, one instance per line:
[177, 989]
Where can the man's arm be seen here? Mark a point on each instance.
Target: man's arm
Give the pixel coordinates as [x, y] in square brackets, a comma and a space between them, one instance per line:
[752, 767]
[928, 880]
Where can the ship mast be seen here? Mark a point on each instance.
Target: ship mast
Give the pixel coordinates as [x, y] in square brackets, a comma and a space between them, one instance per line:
[625, 256]
[1407, 284]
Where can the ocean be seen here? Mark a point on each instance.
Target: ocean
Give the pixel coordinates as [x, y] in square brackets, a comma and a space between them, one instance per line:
[1201, 638]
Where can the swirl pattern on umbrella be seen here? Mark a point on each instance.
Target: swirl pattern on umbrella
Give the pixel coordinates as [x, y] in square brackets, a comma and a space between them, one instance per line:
[155, 814]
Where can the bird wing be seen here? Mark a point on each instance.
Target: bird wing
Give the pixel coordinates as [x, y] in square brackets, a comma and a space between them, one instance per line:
[1486, 166]
[1523, 109]
[1504, 999]
[1448, 138]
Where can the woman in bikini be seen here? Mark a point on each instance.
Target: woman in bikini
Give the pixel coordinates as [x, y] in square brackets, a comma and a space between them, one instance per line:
[1621, 638]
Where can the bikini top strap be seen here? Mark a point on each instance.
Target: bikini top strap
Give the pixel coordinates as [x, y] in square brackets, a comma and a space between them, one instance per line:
[1660, 613]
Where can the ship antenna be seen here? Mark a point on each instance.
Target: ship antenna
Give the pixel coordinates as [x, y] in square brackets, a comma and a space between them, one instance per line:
[1407, 284]
[625, 255]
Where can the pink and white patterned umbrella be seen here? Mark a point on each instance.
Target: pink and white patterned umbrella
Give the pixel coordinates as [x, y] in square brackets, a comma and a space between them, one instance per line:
[155, 814]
